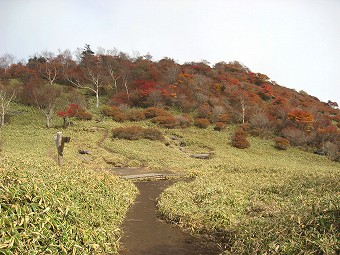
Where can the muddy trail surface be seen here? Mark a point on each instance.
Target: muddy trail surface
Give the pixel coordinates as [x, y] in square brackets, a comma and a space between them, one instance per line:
[145, 233]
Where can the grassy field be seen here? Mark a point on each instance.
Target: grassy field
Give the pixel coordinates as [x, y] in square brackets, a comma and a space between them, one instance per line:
[254, 201]
[46, 209]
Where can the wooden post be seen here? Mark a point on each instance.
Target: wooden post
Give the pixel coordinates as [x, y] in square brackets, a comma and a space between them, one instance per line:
[60, 141]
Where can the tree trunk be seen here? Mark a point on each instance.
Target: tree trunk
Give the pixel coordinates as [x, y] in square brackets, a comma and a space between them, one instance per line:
[48, 121]
[97, 99]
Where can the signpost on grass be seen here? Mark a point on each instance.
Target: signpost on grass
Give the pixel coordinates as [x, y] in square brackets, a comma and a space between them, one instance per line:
[60, 141]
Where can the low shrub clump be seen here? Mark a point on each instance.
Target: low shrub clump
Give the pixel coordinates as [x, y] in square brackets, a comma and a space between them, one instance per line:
[136, 133]
[114, 112]
[202, 122]
[239, 139]
[168, 121]
[184, 120]
[281, 143]
[153, 112]
[219, 126]
[135, 115]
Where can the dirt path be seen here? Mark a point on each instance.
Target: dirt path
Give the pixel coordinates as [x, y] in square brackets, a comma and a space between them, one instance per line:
[145, 233]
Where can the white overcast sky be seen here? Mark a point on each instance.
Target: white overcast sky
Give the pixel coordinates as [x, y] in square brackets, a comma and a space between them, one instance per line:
[295, 42]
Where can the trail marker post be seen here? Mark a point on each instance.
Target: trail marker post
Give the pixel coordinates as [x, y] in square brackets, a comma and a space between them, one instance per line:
[60, 141]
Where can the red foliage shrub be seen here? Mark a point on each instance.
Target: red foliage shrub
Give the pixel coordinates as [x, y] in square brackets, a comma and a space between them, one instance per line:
[136, 133]
[168, 121]
[281, 143]
[202, 122]
[219, 126]
[239, 139]
[75, 111]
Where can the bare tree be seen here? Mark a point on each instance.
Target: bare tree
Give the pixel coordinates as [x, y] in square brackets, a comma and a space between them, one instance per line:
[6, 60]
[6, 97]
[46, 98]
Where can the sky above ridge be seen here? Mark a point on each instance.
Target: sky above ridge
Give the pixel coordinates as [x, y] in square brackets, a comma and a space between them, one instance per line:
[295, 42]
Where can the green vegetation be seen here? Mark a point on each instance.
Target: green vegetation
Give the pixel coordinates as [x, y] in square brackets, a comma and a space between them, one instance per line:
[259, 200]
[46, 209]
[254, 201]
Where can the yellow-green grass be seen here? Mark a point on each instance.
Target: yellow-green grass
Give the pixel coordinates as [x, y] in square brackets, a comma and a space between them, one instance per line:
[46, 209]
[258, 200]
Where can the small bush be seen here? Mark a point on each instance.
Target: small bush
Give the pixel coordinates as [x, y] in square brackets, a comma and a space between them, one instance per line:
[239, 139]
[128, 133]
[119, 117]
[184, 121]
[136, 133]
[219, 126]
[109, 111]
[168, 121]
[135, 115]
[83, 116]
[153, 134]
[331, 150]
[224, 118]
[202, 122]
[153, 112]
[281, 143]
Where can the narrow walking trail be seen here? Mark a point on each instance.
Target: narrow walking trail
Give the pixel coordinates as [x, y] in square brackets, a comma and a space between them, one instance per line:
[145, 233]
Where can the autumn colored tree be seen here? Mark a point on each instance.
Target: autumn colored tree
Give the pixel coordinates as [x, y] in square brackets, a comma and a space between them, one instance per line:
[90, 75]
[52, 68]
[302, 119]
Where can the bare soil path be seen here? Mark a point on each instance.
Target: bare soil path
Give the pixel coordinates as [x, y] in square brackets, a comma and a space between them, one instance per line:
[144, 232]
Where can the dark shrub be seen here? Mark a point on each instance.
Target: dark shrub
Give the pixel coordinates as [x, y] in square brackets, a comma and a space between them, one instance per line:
[128, 133]
[239, 139]
[153, 134]
[244, 126]
[224, 118]
[281, 143]
[202, 122]
[119, 117]
[109, 110]
[83, 115]
[135, 115]
[136, 133]
[331, 150]
[153, 112]
[184, 120]
[114, 112]
[219, 126]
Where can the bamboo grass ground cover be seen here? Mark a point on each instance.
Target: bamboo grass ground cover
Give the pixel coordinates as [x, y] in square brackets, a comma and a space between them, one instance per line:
[46, 209]
[254, 201]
